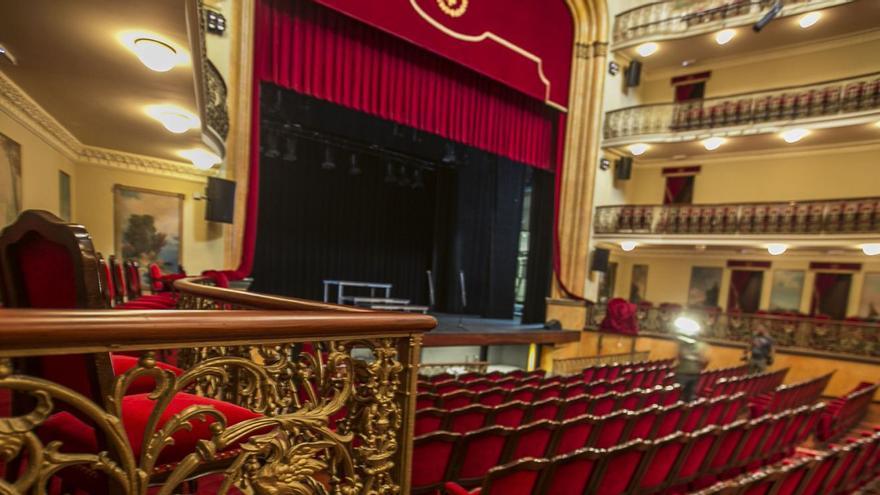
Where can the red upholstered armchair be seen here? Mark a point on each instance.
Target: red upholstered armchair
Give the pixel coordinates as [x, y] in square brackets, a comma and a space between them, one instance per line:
[517, 478]
[621, 318]
[46, 263]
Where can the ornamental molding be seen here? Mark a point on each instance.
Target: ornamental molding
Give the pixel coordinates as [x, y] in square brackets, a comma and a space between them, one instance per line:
[16, 103]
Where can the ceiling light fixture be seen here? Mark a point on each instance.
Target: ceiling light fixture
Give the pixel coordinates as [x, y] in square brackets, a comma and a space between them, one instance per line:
[713, 143]
[647, 49]
[628, 245]
[776, 249]
[809, 19]
[154, 52]
[638, 149]
[174, 118]
[794, 135]
[724, 36]
[202, 159]
[871, 249]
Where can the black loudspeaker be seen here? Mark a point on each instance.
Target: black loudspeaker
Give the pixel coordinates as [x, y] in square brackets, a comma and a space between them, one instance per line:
[600, 260]
[633, 74]
[623, 168]
[221, 200]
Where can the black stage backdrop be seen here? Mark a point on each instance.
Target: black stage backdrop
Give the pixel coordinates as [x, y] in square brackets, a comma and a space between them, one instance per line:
[316, 224]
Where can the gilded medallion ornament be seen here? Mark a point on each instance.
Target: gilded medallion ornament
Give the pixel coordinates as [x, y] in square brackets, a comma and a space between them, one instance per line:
[453, 8]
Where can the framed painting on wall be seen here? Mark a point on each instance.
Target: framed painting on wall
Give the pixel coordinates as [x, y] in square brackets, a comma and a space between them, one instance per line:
[10, 180]
[148, 226]
[638, 286]
[787, 290]
[869, 306]
[705, 286]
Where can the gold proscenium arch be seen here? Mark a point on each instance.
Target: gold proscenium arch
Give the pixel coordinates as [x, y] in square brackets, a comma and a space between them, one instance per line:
[589, 58]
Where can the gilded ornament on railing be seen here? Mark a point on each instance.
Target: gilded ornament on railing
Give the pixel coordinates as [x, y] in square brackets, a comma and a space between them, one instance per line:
[294, 448]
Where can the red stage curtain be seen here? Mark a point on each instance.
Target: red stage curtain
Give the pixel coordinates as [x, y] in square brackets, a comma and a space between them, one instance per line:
[316, 51]
[322, 53]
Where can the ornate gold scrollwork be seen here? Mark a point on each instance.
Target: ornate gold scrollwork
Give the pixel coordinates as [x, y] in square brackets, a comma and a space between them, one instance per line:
[453, 8]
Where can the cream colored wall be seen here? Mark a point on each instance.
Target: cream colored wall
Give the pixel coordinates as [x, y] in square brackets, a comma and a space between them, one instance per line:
[202, 246]
[769, 70]
[826, 174]
[40, 165]
[669, 276]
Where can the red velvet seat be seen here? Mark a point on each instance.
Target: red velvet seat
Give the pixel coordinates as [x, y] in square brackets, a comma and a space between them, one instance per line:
[427, 399]
[525, 394]
[576, 406]
[570, 473]
[604, 404]
[610, 430]
[641, 424]
[432, 454]
[655, 472]
[492, 397]
[574, 434]
[510, 414]
[668, 419]
[428, 420]
[619, 466]
[477, 452]
[516, 478]
[456, 399]
[468, 418]
[545, 409]
[532, 440]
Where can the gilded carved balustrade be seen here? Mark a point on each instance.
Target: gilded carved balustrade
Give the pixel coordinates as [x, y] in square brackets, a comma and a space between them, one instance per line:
[857, 339]
[819, 101]
[830, 217]
[332, 390]
[679, 18]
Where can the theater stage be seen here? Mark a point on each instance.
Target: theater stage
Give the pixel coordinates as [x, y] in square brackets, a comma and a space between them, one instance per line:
[460, 330]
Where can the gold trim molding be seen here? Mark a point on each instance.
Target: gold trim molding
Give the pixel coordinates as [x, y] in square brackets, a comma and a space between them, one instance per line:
[16, 103]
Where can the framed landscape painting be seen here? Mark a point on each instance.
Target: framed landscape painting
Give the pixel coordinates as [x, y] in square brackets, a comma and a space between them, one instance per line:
[148, 226]
[788, 286]
[10, 180]
[705, 286]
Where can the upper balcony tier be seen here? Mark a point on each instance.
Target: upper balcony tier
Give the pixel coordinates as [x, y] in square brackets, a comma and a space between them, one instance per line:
[685, 31]
[854, 218]
[837, 103]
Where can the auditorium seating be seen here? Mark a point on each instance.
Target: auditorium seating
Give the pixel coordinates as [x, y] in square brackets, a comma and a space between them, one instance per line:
[676, 463]
[843, 468]
[845, 412]
[708, 378]
[789, 396]
[752, 385]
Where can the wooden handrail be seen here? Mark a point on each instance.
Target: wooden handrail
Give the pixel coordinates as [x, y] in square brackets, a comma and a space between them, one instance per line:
[32, 332]
[193, 286]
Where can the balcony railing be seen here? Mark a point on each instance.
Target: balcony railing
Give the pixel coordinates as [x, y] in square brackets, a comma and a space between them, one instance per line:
[837, 216]
[669, 18]
[798, 103]
[854, 338]
[332, 391]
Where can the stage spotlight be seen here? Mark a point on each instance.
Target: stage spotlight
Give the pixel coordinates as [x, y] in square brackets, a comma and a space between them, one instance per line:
[290, 153]
[389, 174]
[272, 145]
[417, 183]
[402, 179]
[448, 153]
[328, 160]
[354, 170]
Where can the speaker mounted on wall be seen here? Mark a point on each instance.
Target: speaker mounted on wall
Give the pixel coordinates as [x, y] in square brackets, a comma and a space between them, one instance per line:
[600, 260]
[633, 74]
[623, 168]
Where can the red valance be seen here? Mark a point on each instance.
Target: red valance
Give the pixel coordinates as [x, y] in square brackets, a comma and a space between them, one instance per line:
[319, 52]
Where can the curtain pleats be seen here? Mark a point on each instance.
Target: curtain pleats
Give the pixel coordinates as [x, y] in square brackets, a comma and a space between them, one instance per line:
[316, 51]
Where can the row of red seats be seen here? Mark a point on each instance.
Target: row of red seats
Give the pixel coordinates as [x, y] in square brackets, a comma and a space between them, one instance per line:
[676, 463]
[790, 396]
[121, 287]
[453, 399]
[516, 413]
[600, 391]
[475, 375]
[442, 388]
[845, 412]
[708, 378]
[842, 469]
[752, 385]
[475, 452]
